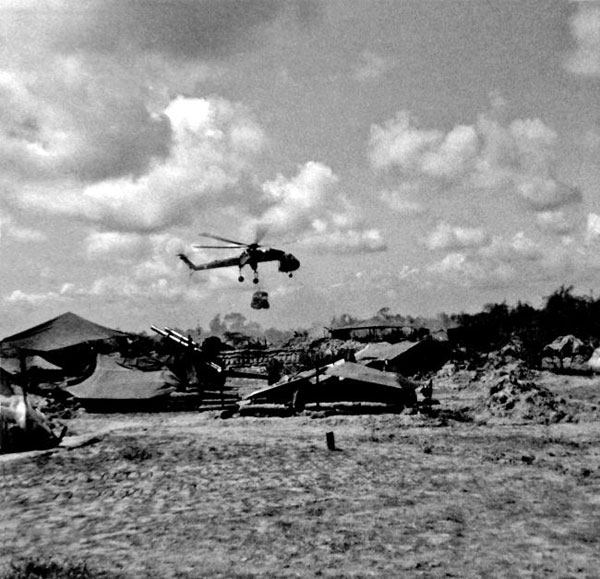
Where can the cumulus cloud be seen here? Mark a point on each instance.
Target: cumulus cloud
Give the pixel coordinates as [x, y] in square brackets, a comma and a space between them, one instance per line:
[310, 205]
[295, 203]
[83, 91]
[349, 241]
[154, 275]
[519, 248]
[499, 262]
[560, 222]
[371, 66]
[214, 144]
[585, 28]
[182, 29]
[448, 237]
[591, 139]
[400, 202]
[35, 299]
[593, 227]
[61, 127]
[466, 270]
[11, 229]
[519, 157]
[149, 258]
[114, 244]
[399, 143]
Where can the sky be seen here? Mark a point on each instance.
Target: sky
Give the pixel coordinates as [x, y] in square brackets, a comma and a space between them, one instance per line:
[424, 156]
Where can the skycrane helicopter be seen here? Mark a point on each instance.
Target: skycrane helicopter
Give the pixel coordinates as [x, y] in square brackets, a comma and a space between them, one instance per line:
[252, 254]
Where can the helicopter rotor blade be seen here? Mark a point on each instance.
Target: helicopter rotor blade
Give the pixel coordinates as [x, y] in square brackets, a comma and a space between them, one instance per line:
[216, 246]
[218, 238]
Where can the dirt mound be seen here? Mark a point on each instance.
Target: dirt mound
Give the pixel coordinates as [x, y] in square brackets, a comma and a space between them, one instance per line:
[456, 377]
[522, 400]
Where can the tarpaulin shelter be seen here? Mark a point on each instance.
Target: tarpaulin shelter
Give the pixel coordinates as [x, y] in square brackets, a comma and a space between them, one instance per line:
[114, 387]
[405, 357]
[63, 340]
[340, 382]
[64, 331]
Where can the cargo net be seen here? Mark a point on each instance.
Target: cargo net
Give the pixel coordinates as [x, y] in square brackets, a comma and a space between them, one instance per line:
[260, 300]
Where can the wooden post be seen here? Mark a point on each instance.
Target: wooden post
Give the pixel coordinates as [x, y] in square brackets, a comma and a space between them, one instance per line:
[298, 400]
[316, 390]
[330, 440]
[24, 374]
[222, 386]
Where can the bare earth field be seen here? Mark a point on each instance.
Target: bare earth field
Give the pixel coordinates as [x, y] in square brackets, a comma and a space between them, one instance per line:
[192, 495]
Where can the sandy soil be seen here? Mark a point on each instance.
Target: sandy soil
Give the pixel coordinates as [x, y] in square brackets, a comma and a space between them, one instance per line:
[192, 495]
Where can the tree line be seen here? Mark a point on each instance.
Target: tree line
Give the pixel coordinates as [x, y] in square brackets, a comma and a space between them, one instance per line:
[562, 312]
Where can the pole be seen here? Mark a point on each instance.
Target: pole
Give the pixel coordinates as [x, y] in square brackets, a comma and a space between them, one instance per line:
[329, 436]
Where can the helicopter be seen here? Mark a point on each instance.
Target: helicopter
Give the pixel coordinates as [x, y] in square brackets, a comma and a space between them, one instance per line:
[252, 254]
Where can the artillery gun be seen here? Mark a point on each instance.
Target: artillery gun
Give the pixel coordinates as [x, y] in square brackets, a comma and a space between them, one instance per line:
[198, 369]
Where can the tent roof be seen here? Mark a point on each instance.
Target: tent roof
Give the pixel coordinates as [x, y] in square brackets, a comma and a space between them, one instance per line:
[341, 370]
[39, 362]
[384, 350]
[372, 324]
[111, 381]
[66, 330]
[382, 323]
[360, 373]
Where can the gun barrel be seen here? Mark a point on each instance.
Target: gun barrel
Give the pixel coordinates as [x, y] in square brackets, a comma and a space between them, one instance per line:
[178, 335]
[158, 330]
[177, 338]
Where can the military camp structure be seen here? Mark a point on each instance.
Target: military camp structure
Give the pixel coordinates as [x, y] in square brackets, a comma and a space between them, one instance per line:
[405, 357]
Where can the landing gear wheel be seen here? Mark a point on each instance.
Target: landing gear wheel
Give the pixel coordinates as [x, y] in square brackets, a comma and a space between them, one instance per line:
[241, 278]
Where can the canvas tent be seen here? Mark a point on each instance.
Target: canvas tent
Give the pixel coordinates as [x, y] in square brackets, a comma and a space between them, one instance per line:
[63, 341]
[404, 357]
[113, 387]
[340, 382]
[64, 331]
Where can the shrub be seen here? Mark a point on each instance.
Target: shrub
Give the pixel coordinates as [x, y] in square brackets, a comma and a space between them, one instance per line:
[48, 568]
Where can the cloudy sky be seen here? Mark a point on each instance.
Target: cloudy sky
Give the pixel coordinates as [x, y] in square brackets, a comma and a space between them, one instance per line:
[426, 156]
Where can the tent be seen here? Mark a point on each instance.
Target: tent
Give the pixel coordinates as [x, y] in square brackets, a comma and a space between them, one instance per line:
[114, 387]
[64, 331]
[63, 341]
[340, 382]
[405, 357]
[36, 362]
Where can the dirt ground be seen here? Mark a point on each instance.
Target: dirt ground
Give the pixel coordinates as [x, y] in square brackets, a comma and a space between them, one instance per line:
[192, 495]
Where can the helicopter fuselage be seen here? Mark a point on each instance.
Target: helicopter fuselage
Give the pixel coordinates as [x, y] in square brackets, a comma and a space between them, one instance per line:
[254, 256]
